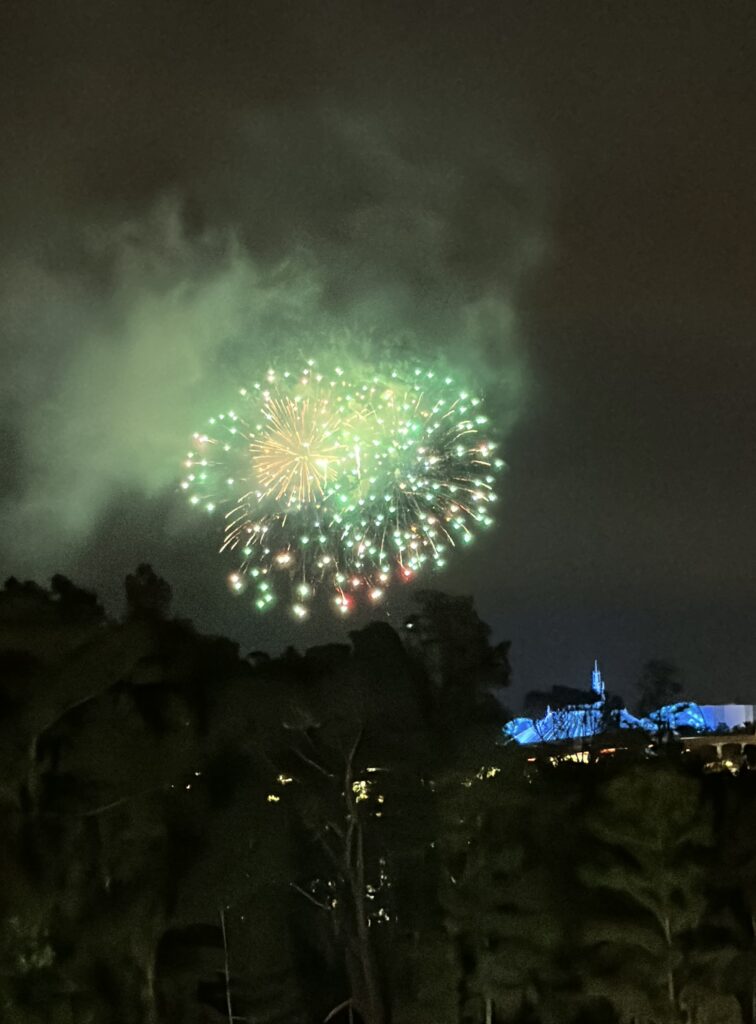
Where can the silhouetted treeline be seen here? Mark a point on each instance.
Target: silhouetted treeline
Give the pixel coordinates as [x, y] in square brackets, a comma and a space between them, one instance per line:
[189, 835]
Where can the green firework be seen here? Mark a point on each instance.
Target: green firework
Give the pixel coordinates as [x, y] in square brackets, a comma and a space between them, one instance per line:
[327, 481]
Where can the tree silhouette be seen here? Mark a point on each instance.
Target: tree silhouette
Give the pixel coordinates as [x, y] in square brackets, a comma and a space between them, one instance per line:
[648, 871]
[147, 595]
[738, 867]
[501, 902]
[659, 684]
[188, 834]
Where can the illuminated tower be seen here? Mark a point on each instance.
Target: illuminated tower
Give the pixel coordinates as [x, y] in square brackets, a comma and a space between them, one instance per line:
[597, 683]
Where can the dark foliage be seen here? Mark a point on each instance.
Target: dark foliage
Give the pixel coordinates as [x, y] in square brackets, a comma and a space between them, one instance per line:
[193, 836]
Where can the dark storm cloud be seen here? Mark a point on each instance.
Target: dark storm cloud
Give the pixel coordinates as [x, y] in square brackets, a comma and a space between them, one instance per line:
[560, 198]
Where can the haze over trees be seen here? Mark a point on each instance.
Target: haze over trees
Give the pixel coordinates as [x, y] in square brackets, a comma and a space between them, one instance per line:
[190, 835]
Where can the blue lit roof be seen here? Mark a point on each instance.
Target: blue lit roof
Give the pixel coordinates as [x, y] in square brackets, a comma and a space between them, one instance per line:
[582, 721]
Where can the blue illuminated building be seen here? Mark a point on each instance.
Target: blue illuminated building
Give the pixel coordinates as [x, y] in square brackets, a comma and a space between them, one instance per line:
[596, 716]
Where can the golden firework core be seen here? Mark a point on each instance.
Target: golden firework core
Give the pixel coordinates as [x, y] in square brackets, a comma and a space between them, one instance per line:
[295, 451]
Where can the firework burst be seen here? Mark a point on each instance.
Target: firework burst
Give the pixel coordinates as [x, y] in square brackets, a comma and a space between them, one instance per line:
[327, 482]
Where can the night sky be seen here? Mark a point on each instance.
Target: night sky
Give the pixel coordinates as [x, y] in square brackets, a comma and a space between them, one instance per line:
[559, 199]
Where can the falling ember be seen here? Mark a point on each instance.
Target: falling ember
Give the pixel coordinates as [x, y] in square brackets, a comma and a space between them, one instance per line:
[327, 482]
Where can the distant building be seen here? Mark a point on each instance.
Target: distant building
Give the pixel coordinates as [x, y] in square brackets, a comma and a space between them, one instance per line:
[596, 716]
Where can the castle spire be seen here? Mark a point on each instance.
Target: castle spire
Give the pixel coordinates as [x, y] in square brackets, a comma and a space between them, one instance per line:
[597, 683]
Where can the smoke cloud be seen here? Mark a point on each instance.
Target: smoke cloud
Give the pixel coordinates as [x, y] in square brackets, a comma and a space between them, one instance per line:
[318, 234]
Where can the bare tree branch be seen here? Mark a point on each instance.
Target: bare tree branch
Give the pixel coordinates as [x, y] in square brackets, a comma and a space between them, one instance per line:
[337, 1009]
[308, 896]
[313, 764]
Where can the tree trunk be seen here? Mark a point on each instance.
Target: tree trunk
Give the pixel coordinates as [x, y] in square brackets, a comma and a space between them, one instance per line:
[149, 1003]
[376, 1010]
[31, 794]
[753, 969]
[671, 994]
[226, 968]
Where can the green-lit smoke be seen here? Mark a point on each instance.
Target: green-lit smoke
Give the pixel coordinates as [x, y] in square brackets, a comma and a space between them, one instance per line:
[118, 355]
